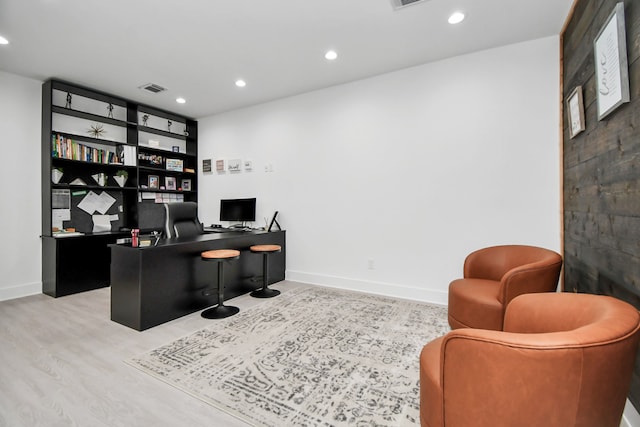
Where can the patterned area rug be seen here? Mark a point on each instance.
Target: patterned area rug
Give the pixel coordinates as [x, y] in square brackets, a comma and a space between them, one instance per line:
[309, 357]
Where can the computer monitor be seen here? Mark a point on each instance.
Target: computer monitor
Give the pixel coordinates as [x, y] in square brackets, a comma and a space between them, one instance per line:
[238, 210]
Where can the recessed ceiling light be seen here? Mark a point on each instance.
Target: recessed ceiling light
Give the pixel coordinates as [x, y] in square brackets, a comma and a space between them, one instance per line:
[456, 18]
[241, 83]
[331, 55]
[181, 100]
[3, 40]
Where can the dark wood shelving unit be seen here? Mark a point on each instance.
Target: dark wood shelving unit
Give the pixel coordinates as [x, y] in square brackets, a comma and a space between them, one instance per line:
[79, 263]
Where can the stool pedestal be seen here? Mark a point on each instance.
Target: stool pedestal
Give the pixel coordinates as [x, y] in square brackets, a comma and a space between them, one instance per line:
[265, 250]
[220, 311]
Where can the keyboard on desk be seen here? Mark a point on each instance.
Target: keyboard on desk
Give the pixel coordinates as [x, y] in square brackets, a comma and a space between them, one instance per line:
[225, 230]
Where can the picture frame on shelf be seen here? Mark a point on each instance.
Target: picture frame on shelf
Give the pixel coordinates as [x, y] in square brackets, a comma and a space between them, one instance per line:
[575, 112]
[186, 185]
[175, 165]
[612, 69]
[154, 182]
[170, 182]
[175, 148]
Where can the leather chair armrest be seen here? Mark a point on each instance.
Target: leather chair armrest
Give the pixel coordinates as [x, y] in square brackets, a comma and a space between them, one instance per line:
[529, 278]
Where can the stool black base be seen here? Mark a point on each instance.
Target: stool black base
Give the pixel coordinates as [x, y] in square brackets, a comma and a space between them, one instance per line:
[220, 312]
[264, 293]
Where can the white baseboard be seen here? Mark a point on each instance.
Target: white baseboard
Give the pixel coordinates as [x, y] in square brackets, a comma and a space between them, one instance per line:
[20, 291]
[630, 417]
[379, 288]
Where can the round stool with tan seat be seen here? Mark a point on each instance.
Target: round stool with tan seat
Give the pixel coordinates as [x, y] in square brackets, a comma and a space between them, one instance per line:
[265, 250]
[220, 256]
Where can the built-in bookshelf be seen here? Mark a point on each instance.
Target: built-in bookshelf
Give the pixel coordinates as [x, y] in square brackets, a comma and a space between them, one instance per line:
[108, 164]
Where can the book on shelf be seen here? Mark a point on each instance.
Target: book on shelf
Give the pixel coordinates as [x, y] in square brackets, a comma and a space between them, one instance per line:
[66, 148]
[127, 154]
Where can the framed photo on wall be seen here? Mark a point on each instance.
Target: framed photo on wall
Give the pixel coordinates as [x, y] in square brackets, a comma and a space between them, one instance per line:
[612, 69]
[575, 112]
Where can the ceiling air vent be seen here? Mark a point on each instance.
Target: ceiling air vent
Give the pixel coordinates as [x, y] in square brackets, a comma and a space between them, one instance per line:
[153, 88]
[397, 4]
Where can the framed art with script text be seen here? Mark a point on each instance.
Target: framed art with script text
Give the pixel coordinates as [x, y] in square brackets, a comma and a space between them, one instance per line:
[612, 70]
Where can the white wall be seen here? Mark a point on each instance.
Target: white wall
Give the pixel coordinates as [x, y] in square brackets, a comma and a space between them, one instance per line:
[407, 171]
[20, 217]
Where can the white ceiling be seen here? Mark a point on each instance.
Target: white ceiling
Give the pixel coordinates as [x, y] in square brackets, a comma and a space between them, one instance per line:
[198, 48]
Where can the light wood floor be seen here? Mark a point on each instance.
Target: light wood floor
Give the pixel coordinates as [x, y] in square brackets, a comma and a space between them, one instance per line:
[62, 364]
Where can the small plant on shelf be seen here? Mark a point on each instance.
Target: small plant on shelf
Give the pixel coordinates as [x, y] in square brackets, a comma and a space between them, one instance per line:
[121, 177]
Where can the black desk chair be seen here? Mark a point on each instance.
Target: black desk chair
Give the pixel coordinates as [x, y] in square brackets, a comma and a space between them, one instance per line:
[181, 220]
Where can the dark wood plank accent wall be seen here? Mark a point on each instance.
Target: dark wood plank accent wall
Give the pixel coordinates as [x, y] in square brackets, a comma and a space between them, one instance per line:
[602, 169]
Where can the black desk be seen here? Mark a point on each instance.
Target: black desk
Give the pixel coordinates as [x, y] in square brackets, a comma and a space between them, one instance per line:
[155, 284]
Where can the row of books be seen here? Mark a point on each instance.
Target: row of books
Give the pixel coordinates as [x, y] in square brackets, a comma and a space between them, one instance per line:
[66, 148]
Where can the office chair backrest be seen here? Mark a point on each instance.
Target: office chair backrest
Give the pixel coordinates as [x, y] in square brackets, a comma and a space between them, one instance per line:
[181, 220]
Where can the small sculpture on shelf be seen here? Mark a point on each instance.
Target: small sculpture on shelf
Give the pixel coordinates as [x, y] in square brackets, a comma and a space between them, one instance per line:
[56, 175]
[97, 131]
[110, 109]
[169, 123]
[144, 119]
[68, 104]
[100, 178]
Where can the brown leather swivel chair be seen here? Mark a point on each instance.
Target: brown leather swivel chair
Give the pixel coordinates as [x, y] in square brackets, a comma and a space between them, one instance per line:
[493, 277]
[563, 360]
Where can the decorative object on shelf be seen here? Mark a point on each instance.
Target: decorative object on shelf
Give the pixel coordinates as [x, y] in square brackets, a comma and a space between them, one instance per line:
[68, 104]
[100, 178]
[175, 149]
[575, 112]
[612, 70]
[96, 131]
[169, 123]
[56, 175]
[152, 159]
[170, 182]
[121, 177]
[110, 109]
[154, 143]
[144, 119]
[186, 185]
[185, 132]
[175, 165]
[78, 181]
[154, 181]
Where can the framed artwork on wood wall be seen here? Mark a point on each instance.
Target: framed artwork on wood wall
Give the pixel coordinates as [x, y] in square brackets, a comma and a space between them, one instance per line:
[612, 70]
[575, 112]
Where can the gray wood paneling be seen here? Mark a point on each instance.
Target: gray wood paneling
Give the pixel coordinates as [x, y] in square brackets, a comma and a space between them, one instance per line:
[602, 169]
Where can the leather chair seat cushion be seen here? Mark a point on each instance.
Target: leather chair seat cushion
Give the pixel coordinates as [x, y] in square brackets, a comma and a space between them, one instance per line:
[475, 303]
[430, 384]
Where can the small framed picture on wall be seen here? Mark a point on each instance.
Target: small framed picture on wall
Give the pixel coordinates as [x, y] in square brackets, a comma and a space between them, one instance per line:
[575, 112]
